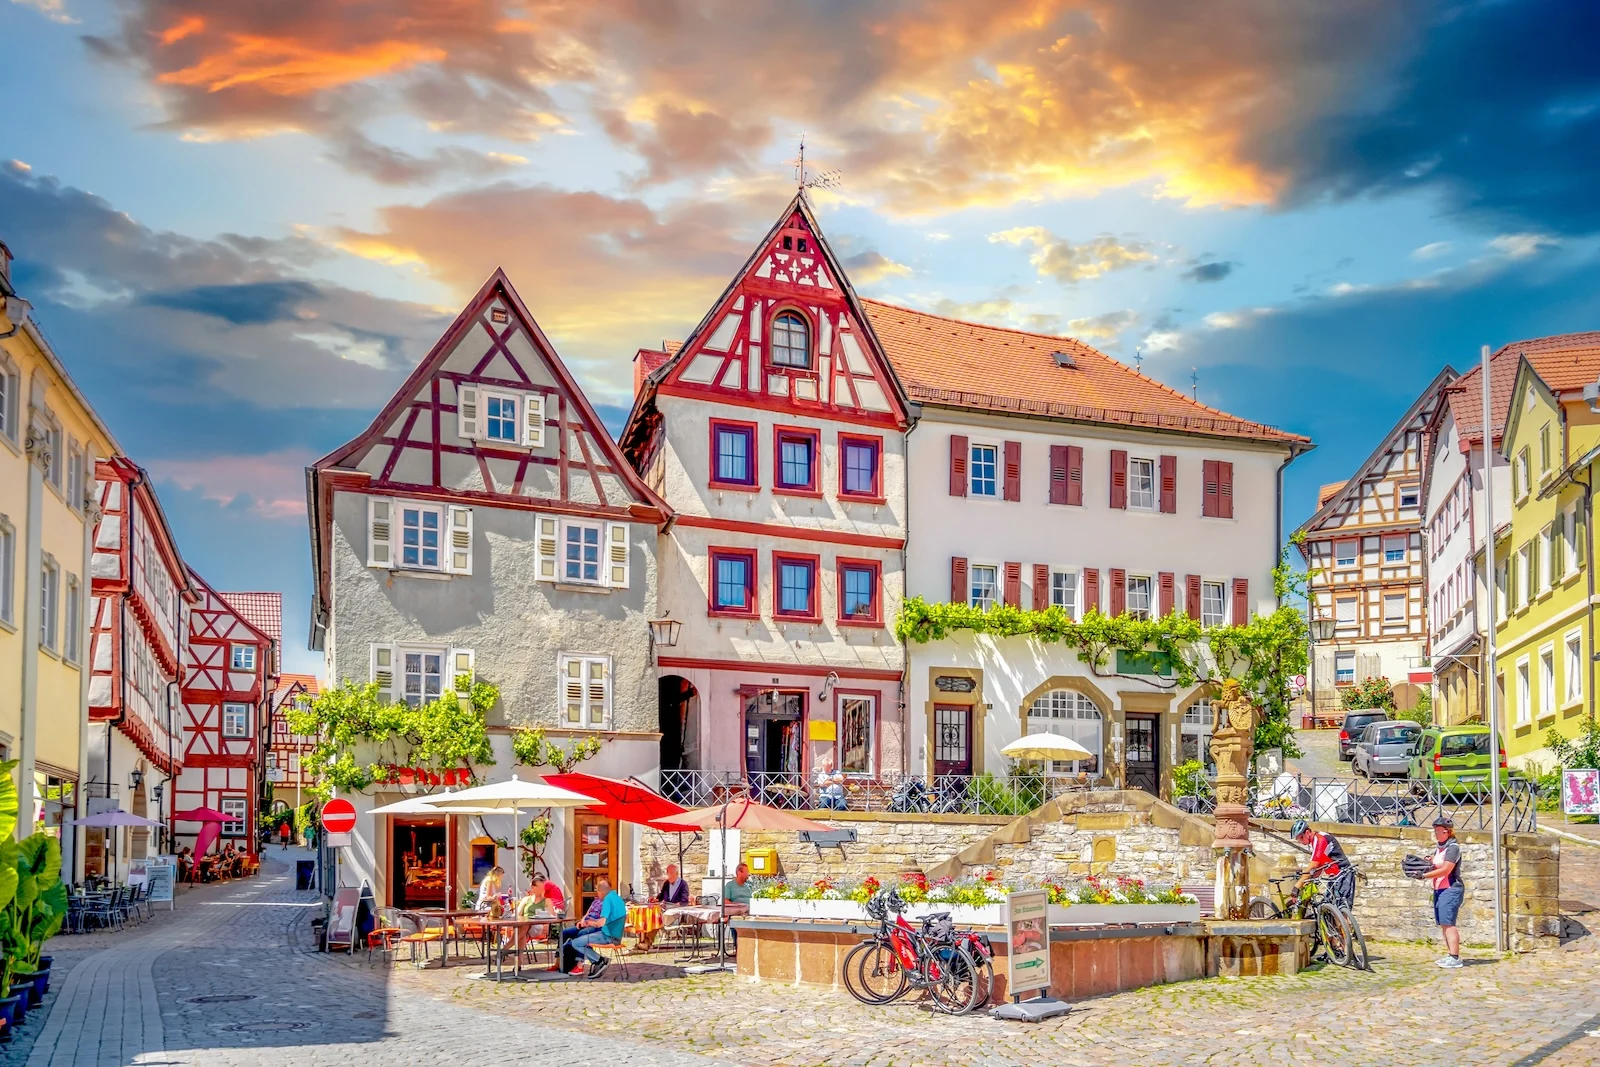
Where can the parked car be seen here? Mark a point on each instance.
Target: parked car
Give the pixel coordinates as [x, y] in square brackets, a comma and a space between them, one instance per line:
[1456, 758]
[1354, 723]
[1385, 748]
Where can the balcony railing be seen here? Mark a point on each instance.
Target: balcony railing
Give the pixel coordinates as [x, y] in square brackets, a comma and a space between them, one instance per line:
[944, 794]
[1363, 802]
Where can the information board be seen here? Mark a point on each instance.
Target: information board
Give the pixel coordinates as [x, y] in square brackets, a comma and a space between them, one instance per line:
[342, 920]
[1580, 792]
[1028, 923]
[163, 877]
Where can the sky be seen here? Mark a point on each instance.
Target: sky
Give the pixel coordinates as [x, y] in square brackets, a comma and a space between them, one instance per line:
[242, 223]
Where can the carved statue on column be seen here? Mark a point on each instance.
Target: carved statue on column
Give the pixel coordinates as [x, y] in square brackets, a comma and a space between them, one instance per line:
[1232, 745]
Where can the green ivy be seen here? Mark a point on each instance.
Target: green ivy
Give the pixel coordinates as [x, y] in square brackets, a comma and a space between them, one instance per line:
[441, 734]
[1263, 654]
[532, 748]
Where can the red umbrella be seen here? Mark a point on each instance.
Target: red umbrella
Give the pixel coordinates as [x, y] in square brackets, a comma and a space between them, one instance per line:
[625, 799]
[209, 833]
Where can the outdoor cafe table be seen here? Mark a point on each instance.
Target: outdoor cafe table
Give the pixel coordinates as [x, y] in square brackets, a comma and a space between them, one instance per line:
[696, 916]
[448, 918]
[519, 930]
[645, 920]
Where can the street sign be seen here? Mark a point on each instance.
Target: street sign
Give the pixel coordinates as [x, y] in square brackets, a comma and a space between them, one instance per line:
[338, 816]
[1299, 681]
[338, 840]
[1580, 792]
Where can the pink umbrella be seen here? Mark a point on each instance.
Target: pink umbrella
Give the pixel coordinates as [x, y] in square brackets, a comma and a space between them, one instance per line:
[213, 820]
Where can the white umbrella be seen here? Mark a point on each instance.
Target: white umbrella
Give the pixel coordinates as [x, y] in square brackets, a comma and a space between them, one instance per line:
[1046, 747]
[115, 817]
[515, 796]
[423, 805]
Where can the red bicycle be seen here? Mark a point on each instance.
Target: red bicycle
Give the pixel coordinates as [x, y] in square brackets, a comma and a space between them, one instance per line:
[954, 967]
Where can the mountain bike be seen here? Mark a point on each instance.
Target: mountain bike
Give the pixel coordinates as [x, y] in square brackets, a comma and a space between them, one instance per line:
[1332, 934]
[954, 969]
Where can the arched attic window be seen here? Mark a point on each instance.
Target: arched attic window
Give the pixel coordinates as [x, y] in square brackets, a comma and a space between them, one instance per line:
[791, 341]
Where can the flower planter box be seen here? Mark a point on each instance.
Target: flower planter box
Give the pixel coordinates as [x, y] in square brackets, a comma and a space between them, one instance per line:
[981, 915]
[1100, 914]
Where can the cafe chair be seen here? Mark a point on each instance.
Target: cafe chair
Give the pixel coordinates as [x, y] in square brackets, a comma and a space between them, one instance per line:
[422, 937]
[617, 954]
[383, 936]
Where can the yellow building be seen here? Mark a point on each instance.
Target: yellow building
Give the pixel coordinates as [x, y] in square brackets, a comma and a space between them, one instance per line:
[1544, 574]
[49, 440]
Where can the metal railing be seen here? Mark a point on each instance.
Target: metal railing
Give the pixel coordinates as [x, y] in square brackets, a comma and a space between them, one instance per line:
[947, 794]
[1364, 802]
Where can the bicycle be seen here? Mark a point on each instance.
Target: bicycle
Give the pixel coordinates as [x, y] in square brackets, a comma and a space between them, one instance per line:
[898, 958]
[1332, 921]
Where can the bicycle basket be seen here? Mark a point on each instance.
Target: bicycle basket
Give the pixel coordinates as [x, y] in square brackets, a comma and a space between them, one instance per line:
[939, 927]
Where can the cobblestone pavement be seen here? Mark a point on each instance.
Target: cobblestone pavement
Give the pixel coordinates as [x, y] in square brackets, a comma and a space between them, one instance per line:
[1320, 755]
[130, 998]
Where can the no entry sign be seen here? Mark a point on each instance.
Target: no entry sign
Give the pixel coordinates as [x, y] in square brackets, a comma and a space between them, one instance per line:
[338, 816]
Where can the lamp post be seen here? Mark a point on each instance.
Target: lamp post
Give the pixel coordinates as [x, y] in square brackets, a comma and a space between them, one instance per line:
[664, 633]
[1317, 630]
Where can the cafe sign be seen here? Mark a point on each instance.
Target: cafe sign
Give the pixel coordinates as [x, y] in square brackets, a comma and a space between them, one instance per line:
[1028, 927]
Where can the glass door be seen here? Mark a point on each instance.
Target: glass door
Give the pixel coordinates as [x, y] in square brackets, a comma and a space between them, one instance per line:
[595, 853]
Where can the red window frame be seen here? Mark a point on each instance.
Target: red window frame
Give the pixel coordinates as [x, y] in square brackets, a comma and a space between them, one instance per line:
[752, 583]
[753, 431]
[875, 617]
[876, 495]
[813, 612]
[779, 433]
[812, 367]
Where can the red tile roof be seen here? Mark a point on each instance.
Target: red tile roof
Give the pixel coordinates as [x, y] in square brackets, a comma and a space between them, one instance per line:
[264, 611]
[1327, 492]
[994, 368]
[309, 681]
[1565, 361]
[646, 360]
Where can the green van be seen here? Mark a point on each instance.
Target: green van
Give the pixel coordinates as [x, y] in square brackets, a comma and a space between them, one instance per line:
[1456, 757]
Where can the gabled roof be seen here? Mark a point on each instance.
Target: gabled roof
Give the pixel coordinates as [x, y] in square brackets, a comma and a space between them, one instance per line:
[1566, 362]
[1526, 378]
[953, 363]
[263, 611]
[1418, 408]
[137, 479]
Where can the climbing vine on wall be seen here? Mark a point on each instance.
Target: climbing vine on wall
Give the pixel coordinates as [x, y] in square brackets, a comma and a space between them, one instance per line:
[360, 735]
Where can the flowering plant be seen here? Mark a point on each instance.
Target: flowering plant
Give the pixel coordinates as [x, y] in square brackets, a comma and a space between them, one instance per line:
[865, 890]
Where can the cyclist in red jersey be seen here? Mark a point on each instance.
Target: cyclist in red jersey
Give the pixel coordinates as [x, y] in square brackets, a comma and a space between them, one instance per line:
[1327, 861]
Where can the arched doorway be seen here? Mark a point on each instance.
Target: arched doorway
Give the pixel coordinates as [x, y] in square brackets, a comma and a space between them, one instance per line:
[678, 708]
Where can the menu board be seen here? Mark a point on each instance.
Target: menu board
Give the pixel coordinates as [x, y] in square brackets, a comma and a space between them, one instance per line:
[342, 919]
[1580, 792]
[1028, 922]
[163, 876]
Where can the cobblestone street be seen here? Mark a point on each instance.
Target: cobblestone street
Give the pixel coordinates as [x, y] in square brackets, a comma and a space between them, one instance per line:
[134, 997]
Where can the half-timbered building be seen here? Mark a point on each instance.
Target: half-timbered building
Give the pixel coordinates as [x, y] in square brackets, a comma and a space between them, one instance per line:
[485, 525]
[1044, 473]
[1363, 550]
[776, 433]
[288, 773]
[227, 687]
[141, 595]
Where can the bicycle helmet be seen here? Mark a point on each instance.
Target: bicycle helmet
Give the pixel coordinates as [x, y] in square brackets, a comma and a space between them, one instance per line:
[876, 908]
[894, 902]
[1300, 826]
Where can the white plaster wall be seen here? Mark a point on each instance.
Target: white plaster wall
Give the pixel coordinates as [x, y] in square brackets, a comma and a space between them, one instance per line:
[985, 530]
[1465, 541]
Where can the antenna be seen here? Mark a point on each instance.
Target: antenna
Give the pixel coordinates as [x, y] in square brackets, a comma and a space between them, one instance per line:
[828, 179]
[1194, 382]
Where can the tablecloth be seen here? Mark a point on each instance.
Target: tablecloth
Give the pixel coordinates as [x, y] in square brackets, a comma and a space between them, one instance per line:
[644, 919]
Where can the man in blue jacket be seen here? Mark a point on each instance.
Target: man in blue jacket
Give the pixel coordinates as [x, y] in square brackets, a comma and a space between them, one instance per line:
[601, 925]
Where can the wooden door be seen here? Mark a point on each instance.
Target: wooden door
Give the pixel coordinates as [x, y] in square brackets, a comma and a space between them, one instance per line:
[1144, 753]
[594, 854]
[952, 739]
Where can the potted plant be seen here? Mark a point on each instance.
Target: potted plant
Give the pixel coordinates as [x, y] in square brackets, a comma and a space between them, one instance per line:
[37, 908]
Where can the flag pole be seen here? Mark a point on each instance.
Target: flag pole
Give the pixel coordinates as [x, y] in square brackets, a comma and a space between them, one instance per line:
[1489, 652]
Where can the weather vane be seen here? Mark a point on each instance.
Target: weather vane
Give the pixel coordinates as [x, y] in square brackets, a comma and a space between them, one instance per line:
[1138, 359]
[1194, 382]
[827, 179]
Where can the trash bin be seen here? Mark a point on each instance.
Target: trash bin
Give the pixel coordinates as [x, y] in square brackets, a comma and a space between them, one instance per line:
[305, 874]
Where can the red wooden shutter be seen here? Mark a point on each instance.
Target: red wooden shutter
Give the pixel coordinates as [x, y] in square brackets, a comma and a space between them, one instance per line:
[1014, 584]
[1224, 489]
[1119, 478]
[1166, 592]
[1241, 601]
[1075, 475]
[1192, 596]
[1208, 491]
[1058, 474]
[1091, 590]
[958, 464]
[1119, 592]
[1041, 586]
[958, 580]
[1169, 484]
[1013, 482]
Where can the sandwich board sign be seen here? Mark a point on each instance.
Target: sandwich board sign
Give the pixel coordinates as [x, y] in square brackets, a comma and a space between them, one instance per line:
[163, 874]
[1028, 958]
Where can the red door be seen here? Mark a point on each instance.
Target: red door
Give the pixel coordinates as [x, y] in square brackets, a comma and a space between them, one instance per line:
[952, 739]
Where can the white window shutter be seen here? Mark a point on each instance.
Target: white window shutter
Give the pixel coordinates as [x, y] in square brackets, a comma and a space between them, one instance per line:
[380, 532]
[599, 685]
[572, 690]
[533, 429]
[617, 555]
[547, 532]
[383, 669]
[459, 560]
[467, 420]
[462, 665]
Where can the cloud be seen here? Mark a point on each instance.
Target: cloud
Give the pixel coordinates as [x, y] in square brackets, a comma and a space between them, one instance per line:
[1522, 245]
[1055, 257]
[1000, 309]
[866, 268]
[270, 485]
[1433, 250]
[1211, 270]
[54, 10]
[1106, 328]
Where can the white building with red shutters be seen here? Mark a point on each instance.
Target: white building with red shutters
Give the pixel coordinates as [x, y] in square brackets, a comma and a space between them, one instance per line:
[289, 774]
[1044, 472]
[776, 434]
[486, 526]
[230, 675]
[141, 597]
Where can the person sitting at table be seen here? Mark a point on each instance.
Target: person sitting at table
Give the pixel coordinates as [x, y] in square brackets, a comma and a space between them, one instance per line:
[535, 905]
[830, 785]
[552, 893]
[601, 925]
[736, 897]
[489, 888]
[674, 890]
[185, 863]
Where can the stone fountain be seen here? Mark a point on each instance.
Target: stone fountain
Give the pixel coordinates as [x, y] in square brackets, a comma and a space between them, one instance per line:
[1232, 745]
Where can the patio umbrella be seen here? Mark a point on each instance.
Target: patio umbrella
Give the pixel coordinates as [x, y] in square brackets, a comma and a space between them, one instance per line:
[627, 800]
[213, 820]
[423, 805]
[742, 814]
[1046, 747]
[115, 817]
[515, 796]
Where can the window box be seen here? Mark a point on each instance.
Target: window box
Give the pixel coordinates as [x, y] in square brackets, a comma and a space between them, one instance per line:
[733, 456]
[796, 455]
[861, 468]
[731, 582]
[794, 587]
[860, 592]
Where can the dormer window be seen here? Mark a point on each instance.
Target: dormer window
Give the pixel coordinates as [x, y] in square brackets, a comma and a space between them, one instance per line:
[501, 421]
[791, 341]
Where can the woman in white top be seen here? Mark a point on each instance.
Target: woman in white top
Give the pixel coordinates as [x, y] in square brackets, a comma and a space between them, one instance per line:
[489, 888]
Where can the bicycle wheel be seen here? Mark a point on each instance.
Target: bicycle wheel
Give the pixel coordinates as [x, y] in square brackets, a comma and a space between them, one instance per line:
[1335, 934]
[1358, 945]
[954, 986]
[1261, 908]
[984, 981]
[872, 973]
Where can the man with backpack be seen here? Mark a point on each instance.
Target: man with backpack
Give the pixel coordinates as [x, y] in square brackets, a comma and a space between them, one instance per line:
[1327, 861]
